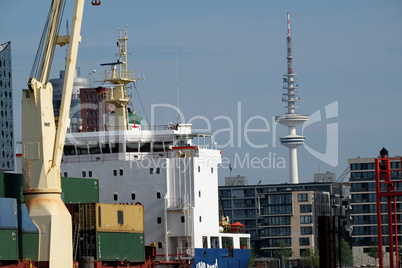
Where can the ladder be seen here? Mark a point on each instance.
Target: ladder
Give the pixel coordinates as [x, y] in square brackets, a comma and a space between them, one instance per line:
[76, 239]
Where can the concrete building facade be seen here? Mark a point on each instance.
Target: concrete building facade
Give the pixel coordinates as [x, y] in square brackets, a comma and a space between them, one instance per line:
[364, 209]
[6, 109]
[280, 212]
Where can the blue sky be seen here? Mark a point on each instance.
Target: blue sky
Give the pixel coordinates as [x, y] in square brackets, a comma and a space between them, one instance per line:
[231, 55]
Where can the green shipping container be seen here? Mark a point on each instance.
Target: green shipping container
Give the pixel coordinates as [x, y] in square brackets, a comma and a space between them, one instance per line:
[75, 190]
[28, 245]
[79, 191]
[8, 244]
[120, 247]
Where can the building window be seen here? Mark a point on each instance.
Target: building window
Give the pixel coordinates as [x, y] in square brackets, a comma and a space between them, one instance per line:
[159, 220]
[304, 241]
[90, 174]
[305, 208]
[151, 171]
[182, 219]
[200, 219]
[115, 197]
[115, 172]
[305, 219]
[199, 193]
[302, 197]
[121, 172]
[159, 244]
[84, 174]
[158, 195]
[65, 174]
[132, 196]
[212, 170]
[199, 169]
[306, 230]
[158, 170]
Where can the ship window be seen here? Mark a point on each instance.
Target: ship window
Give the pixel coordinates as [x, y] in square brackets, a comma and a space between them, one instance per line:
[200, 219]
[199, 169]
[158, 147]
[84, 174]
[159, 220]
[204, 242]
[69, 150]
[158, 170]
[115, 197]
[90, 174]
[145, 147]
[182, 219]
[121, 172]
[115, 172]
[94, 149]
[120, 217]
[159, 244]
[212, 170]
[83, 149]
[168, 144]
[115, 147]
[158, 195]
[151, 171]
[199, 193]
[132, 196]
[105, 148]
[214, 242]
[132, 147]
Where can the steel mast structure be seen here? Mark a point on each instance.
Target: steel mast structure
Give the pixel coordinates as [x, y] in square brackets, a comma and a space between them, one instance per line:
[291, 119]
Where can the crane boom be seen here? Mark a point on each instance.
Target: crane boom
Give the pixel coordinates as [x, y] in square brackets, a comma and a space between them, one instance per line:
[43, 143]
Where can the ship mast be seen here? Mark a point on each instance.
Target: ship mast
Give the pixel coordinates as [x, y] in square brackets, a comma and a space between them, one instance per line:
[120, 78]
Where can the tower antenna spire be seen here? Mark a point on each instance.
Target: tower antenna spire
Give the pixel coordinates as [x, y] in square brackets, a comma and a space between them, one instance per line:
[291, 119]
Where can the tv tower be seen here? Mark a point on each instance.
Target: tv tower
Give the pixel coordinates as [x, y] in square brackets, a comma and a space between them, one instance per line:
[291, 119]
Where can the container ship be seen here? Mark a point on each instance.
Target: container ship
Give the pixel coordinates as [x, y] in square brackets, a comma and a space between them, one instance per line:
[139, 196]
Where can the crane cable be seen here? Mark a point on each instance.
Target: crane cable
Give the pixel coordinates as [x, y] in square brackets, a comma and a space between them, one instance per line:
[36, 70]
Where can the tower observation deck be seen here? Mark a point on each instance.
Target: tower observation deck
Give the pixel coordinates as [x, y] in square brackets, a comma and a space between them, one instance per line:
[291, 119]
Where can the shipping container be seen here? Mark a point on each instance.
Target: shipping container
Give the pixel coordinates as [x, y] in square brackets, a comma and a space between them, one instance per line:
[28, 244]
[8, 213]
[119, 218]
[25, 223]
[109, 217]
[74, 190]
[79, 191]
[11, 186]
[9, 244]
[120, 246]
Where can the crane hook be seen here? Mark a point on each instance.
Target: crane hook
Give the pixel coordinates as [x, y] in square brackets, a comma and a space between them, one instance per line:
[96, 2]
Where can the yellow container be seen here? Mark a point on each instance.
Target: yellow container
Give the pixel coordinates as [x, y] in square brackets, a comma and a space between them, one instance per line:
[119, 218]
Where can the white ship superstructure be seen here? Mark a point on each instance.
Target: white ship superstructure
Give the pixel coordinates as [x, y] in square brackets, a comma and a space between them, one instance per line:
[168, 169]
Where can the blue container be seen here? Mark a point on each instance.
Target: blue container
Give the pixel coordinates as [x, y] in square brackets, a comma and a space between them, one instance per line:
[25, 223]
[8, 213]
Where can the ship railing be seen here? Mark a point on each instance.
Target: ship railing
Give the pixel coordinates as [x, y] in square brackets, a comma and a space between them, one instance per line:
[172, 203]
[113, 157]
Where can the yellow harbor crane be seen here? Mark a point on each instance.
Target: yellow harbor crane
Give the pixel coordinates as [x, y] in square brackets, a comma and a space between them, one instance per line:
[43, 141]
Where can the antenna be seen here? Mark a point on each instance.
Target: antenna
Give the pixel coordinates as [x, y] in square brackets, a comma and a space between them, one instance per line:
[291, 119]
[177, 92]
